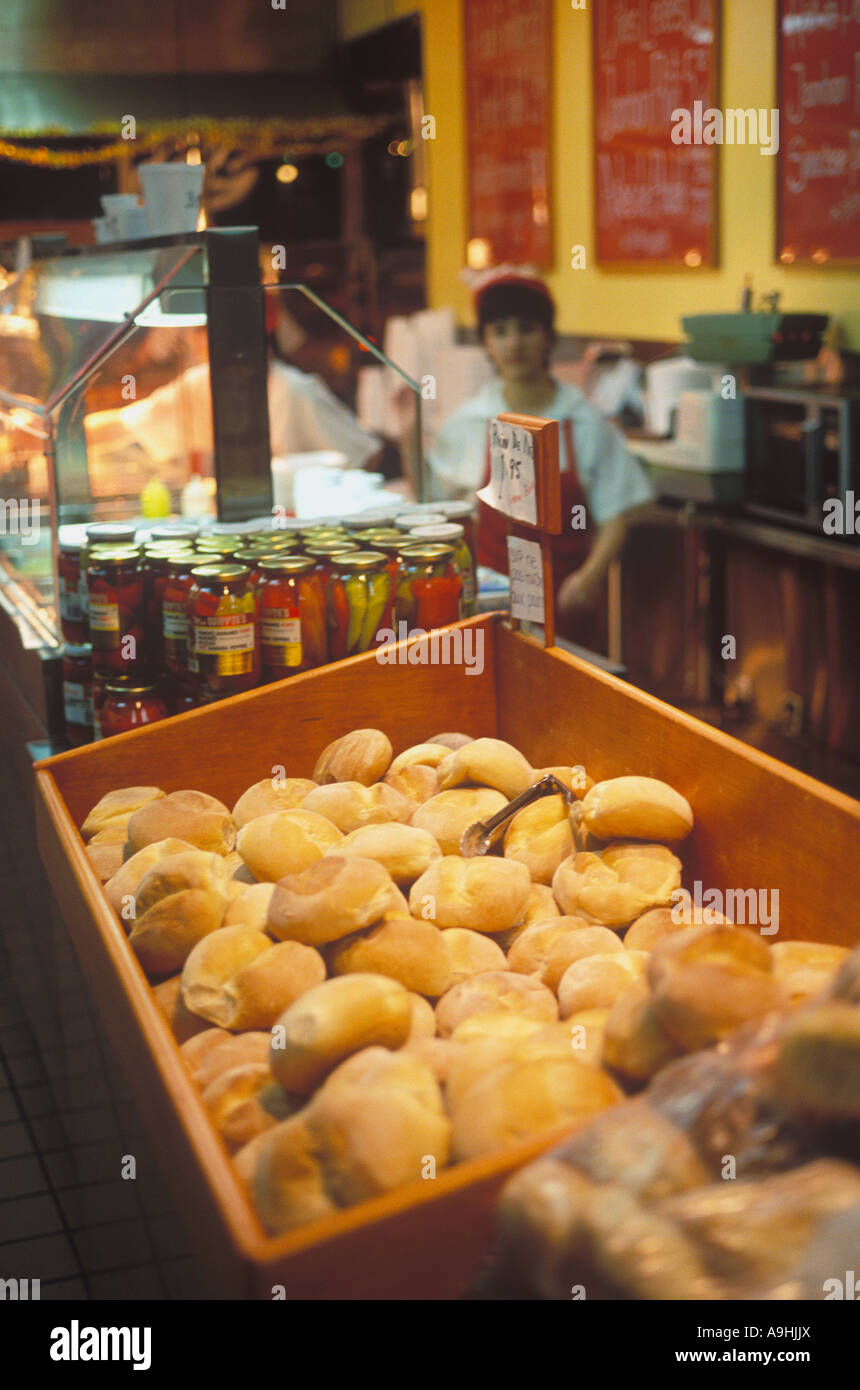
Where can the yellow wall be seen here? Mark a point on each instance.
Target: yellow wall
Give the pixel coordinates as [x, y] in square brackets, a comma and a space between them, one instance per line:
[592, 301]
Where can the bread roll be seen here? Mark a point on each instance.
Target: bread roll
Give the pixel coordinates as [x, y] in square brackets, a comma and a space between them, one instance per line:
[287, 1186]
[332, 1021]
[250, 908]
[486, 762]
[105, 859]
[127, 879]
[331, 899]
[236, 978]
[209, 1053]
[181, 900]
[194, 816]
[652, 926]
[818, 1064]
[113, 834]
[245, 1162]
[361, 756]
[117, 807]
[587, 1028]
[595, 982]
[417, 782]
[377, 1123]
[805, 968]
[634, 1044]
[271, 794]
[541, 836]
[637, 808]
[423, 754]
[406, 950]
[484, 894]
[285, 842]
[540, 907]
[448, 814]
[183, 1025]
[473, 1058]
[423, 1023]
[520, 1099]
[470, 953]
[707, 981]
[245, 1102]
[618, 885]
[452, 741]
[546, 949]
[351, 805]
[497, 1023]
[404, 850]
[435, 1053]
[496, 991]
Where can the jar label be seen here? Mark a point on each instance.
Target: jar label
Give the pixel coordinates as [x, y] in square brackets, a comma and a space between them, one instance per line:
[281, 637]
[70, 603]
[174, 620]
[77, 703]
[228, 642]
[104, 614]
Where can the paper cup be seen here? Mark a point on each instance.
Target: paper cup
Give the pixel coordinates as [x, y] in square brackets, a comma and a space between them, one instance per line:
[172, 195]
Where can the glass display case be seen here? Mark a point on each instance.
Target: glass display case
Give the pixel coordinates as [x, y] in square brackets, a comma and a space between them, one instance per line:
[165, 378]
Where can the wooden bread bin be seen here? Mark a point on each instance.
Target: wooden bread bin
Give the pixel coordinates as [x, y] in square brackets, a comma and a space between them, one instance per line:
[759, 824]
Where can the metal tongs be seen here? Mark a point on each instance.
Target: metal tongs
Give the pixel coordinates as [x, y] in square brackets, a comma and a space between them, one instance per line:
[480, 837]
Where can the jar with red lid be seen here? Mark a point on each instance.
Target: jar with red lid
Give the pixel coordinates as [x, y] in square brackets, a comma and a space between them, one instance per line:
[452, 533]
[130, 706]
[78, 693]
[428, 595]
[115, 603]
[292, 617]
[223, 655]
[356, 601]
[72, 614]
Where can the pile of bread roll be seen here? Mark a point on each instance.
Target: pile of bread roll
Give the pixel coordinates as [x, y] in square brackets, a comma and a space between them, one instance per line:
[360, 1005]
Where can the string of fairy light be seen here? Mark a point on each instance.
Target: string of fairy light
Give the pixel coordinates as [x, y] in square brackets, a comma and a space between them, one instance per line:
[258, 140]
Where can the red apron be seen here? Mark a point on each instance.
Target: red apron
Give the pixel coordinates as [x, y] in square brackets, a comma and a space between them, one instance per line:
[569, 549]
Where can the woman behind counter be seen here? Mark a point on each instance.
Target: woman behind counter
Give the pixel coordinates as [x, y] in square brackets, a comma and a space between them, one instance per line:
[516, 321]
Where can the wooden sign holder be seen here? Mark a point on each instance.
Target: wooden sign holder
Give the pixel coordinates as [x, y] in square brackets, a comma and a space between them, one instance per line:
[544, 435]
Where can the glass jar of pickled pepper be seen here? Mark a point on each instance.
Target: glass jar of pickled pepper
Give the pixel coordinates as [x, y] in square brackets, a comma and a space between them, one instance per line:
[356, 601]
[452, 533]
[321, 553]
[292, 617]
[223, 654]
[428, 594]
[154, 574]
[115, 604]
[174, 616]
[72, 620]
[389, 543]
[109, 535]
[129, 706]
[78, 693]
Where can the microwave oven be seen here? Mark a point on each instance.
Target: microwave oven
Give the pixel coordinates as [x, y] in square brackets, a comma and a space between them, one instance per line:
[801, 449]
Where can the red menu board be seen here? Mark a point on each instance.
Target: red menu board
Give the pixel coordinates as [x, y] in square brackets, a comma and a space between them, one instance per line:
[508, 92]
[818, 171]
[655, 200]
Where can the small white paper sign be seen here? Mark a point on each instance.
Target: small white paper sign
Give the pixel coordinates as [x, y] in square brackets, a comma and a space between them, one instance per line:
[525, 567]
[511, 488]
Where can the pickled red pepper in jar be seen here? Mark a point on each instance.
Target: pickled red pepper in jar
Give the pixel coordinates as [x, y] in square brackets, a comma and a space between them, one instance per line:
[174, 617]
[72, 619]
[451, 533]
[428, 594]
[322, 553]
[115, 603]
[292, 617]
[128, 706]
[223, 653]
[78, 693]
[356, 601]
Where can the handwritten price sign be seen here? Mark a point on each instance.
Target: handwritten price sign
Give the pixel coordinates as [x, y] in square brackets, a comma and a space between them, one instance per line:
[511, 488]
[526, 571]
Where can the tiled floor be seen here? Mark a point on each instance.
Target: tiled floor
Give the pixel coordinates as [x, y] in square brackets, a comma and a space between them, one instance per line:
[67, 1215]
